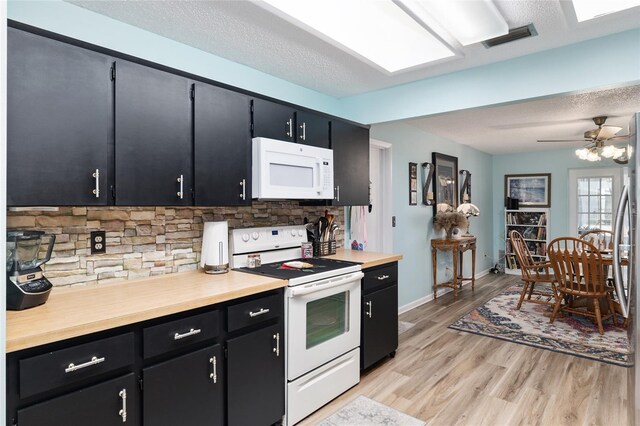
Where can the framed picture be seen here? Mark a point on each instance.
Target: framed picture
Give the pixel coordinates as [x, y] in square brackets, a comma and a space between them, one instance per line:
[445, 182]
[532, 190]
[413, 184]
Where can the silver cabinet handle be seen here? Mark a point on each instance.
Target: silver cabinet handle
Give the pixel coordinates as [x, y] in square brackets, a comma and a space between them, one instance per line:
[243, 184]
[338, 193]
[181, 192]
[214, 369]
[303, 126]
[262, 311]
[96, 191]
[370, 311]
[191, 332]
[123, 411]
[290, 125]
[94, 360]
[382, 277]
[276, 350]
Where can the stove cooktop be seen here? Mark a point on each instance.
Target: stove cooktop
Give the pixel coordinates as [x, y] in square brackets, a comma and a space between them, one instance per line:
[322, 268]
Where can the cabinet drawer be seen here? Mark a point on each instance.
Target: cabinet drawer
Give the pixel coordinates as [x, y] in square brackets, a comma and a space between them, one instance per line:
[180, 333]
[255, 311]
[380, 277]
[66, 366]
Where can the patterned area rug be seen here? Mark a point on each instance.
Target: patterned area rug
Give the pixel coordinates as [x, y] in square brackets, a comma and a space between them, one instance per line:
[363, 411]
[570, 334]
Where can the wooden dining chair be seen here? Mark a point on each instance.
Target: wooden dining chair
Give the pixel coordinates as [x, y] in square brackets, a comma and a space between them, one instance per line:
[600, 238]
[533, 272]
[581, 274]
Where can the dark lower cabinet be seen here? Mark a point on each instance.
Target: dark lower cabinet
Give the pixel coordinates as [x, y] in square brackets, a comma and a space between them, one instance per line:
[350, 144]
[59, 121]
[187, 390]
[222, 147]
[111, 403]
[255, 371]
[379, 325]
[154, 158]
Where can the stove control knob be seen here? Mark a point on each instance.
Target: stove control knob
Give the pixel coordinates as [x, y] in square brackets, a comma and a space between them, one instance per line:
[255, 235]
[293, 232]
[300, 232]
[245, 237]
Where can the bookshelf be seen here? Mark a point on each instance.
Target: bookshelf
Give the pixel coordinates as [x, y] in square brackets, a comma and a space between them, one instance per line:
[533, 225]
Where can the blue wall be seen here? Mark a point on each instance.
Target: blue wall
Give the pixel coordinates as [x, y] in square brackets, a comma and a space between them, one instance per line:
[414, 229]
[558, 163]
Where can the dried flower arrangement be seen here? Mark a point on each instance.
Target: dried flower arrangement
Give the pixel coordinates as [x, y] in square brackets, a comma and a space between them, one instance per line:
[450, 220]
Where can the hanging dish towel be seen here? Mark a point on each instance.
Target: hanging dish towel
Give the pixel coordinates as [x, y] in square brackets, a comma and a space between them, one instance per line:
[358, 227]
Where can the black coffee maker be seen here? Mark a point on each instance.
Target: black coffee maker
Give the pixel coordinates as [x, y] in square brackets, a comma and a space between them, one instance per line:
[26, 286]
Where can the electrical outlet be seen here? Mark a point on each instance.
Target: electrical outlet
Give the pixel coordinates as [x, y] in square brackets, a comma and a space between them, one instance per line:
[98, 242]
[393, 221]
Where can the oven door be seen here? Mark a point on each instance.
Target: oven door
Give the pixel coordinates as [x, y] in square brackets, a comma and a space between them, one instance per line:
[323, 322]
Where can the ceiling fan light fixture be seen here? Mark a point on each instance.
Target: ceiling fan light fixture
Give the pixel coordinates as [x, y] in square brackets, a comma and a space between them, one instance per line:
[593, 155]
[609, 151]
[582, 153]
[620, 152]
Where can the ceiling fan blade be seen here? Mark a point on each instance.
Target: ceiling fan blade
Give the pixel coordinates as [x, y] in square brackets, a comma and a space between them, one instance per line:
[564, 140]
[607, 132]
[619, 137]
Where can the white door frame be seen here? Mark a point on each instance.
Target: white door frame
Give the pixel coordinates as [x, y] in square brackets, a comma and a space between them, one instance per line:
[3, 203]
[574, 174]
[386, 204]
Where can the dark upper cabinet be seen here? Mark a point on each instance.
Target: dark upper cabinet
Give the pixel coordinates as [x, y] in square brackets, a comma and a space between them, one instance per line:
[187, 390]
[222, 147]
[312, 129]
[273, 121]
[58, 122]
[111, 403]
[152, 137]
[350, 144]
[255, 371]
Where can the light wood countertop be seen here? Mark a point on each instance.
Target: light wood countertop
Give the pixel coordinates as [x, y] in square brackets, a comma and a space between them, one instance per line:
[367, 258]
[73, 312]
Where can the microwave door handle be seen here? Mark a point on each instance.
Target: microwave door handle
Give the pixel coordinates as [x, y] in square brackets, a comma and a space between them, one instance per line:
[617, 267]
[318, 187]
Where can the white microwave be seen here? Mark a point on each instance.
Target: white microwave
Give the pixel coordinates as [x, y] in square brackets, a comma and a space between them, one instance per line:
[287, 170]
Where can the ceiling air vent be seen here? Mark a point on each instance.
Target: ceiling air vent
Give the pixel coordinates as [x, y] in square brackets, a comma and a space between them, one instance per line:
[513, 35]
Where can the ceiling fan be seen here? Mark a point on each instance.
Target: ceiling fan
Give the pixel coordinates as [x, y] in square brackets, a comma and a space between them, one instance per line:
[596, 138]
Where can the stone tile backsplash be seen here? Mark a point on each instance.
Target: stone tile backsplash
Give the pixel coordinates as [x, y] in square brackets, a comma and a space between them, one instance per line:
[145, 241]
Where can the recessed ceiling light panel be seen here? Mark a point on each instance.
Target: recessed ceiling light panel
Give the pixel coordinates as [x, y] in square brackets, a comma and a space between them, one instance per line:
[590, 9]
[378, 31]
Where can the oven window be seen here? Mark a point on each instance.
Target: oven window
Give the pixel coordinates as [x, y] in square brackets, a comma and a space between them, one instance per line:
[327, 318]
[290, 175]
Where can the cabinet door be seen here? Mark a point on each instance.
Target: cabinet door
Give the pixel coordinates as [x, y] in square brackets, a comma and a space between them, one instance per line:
[187, 390]
[312, 129]
[350, 146]
[222, 146]
[153, 137]
[108, 404]
[379, 325]
[256, 377]
[273, 121]
[58, 122]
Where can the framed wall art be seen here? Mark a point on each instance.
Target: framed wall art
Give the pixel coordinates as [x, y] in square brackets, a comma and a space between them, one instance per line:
[413, 184]
[445, 182]
[532, 190]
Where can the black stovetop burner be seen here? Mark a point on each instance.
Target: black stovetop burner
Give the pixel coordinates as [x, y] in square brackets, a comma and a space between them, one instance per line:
[278, 270]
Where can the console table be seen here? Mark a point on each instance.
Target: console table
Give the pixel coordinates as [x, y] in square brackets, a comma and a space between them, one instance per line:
[458, 246]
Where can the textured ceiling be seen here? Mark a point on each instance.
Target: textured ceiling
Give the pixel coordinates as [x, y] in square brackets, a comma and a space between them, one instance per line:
[245, 33]
[516, 127]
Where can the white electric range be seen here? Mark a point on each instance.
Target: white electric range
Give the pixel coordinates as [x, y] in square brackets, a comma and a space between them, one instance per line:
[322, 315]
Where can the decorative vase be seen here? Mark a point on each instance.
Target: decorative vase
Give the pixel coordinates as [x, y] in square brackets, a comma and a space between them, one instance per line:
[449, 233]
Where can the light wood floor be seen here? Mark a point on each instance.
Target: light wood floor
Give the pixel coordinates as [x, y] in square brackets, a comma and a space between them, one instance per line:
[447, 377]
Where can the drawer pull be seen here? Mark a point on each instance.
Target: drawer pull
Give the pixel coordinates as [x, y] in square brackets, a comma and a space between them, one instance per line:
[262, 311]
[94, 360]
[214, 369]
[123, 411]
[191, 332]
[369, 313]
[276, 350]
[382, 277]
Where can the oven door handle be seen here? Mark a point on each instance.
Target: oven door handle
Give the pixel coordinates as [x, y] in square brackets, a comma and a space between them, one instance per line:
[324, 285]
